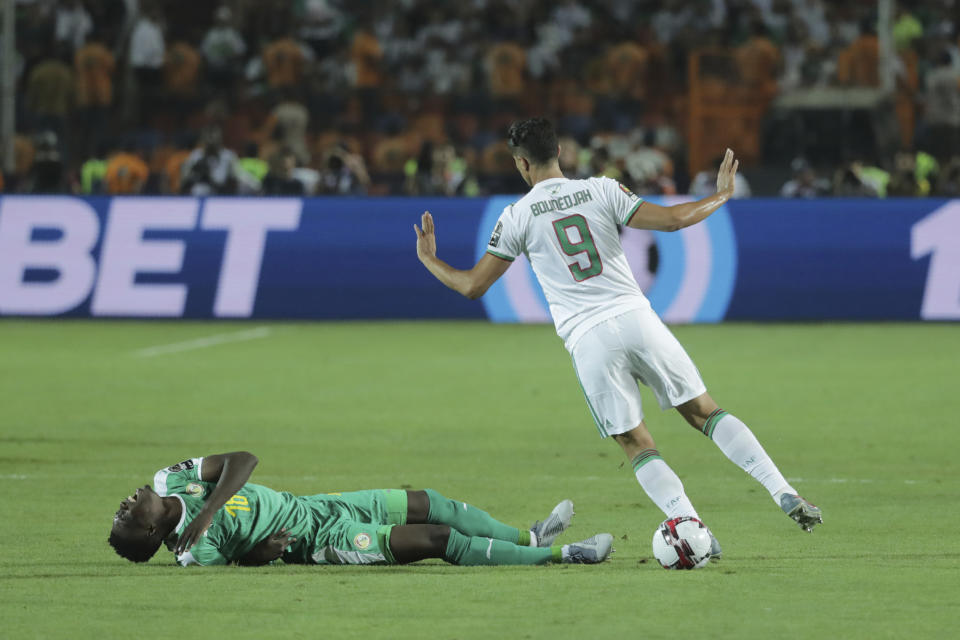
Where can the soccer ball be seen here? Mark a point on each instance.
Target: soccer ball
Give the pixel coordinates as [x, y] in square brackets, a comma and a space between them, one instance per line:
[682, 543]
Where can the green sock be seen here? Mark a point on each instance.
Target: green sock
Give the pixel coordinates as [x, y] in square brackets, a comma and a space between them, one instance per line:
[470, 521]
[466, 551]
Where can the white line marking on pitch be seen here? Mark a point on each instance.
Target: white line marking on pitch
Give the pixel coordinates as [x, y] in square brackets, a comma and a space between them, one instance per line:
[202, 343]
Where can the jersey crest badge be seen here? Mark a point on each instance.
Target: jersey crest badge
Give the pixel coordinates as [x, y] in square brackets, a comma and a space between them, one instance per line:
[361, 541]
[495, 237]
[194, 489]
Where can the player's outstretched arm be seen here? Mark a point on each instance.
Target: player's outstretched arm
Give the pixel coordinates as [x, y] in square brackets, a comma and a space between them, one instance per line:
[472, 283]
[230, 471]
[658, 218]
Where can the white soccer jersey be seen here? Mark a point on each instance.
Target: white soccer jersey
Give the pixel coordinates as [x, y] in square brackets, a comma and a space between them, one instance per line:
[568, 231]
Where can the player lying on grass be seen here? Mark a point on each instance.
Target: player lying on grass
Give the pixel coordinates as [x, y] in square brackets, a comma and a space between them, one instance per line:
[570, 232]
[208, 514]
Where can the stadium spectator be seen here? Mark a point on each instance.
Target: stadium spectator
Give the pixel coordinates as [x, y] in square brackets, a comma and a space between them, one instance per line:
[505, 63]
[857, 64]
[72, 24]
[49, 96]
[948, 184]
[146, 57]
[321, 24]
[279, 180]
[126, 173]
[223, 49]
[94, 66]
[210, 169]
[759, 61]
[366, 55]
[47, 173]
[941, 99]
[181, 69]
[93, 173]
[290, 119]
[344, 173]
[284, 60]
[805, 183]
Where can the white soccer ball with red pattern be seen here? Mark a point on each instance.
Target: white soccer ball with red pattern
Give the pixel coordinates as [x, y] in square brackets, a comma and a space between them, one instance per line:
[682, 543]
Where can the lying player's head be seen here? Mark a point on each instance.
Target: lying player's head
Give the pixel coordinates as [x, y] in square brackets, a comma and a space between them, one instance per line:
[136, 533]
[533, 143]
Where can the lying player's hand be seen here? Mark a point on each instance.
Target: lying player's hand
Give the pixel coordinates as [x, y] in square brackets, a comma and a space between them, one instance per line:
[193, 532]
[726, 177]
[268, 549]
[426, 240]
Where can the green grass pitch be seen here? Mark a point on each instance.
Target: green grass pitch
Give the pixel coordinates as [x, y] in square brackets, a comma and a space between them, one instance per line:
[863, 418]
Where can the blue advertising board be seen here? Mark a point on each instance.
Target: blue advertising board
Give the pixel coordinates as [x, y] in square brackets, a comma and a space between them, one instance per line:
[351, 258]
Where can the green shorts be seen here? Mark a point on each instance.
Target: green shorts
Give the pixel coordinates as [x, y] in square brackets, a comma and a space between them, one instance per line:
[361, 535]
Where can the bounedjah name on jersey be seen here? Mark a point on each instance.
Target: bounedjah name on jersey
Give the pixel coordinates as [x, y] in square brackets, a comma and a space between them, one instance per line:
[559, 204]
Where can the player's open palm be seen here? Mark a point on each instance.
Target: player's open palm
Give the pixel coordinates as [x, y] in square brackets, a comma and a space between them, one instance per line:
[426, 240]
[726, 177]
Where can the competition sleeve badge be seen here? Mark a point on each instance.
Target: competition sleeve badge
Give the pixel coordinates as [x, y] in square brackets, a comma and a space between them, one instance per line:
[495, 236]
[630, 194]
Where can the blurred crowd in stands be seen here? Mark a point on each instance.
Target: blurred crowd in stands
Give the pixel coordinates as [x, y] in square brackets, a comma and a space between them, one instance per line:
[350, 97]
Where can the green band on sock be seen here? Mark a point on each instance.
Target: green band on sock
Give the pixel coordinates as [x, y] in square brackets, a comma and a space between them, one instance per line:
[644, 457]
[523, 538]
[711, 422]
[557, 553]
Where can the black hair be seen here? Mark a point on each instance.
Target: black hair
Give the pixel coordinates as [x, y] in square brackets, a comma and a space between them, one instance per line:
[535, 139]
[132, 549]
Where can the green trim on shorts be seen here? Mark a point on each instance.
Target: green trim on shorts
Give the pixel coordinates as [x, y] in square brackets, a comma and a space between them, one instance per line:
[596, 419]
[395, 502]
[383, 539]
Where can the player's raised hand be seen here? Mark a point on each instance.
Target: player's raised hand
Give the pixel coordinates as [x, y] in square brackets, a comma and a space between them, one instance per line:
[426, 240]
[726, 177]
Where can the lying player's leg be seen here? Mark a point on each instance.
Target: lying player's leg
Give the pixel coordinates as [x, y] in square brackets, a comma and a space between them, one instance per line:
[430, 507]
[741, 446]
[413, 542]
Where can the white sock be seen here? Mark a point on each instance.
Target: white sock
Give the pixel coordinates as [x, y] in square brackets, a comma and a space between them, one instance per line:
[662, 484]
[743, 449]
[533, 539]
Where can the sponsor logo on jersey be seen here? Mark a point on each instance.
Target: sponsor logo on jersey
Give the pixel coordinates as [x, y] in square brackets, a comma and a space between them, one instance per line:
[495, 237]
[181, 466]
[194, 489]
[629, 193]
[361, 541]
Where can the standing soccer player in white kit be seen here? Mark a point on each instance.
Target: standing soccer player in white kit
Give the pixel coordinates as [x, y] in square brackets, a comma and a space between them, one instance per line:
[568, 229]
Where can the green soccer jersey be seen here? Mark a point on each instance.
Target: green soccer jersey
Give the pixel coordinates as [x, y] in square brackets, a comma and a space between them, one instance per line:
[254, 513]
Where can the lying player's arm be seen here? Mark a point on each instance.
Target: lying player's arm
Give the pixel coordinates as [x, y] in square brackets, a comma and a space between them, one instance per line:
[267, 550]
[230, 471]
[472, 283]
[659, 218]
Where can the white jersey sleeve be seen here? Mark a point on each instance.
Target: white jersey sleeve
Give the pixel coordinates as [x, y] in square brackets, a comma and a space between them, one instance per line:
[174, 479]
[506, 241]
[618, 200]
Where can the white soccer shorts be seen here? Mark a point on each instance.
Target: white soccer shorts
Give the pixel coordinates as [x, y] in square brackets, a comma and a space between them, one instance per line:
[613, 356]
